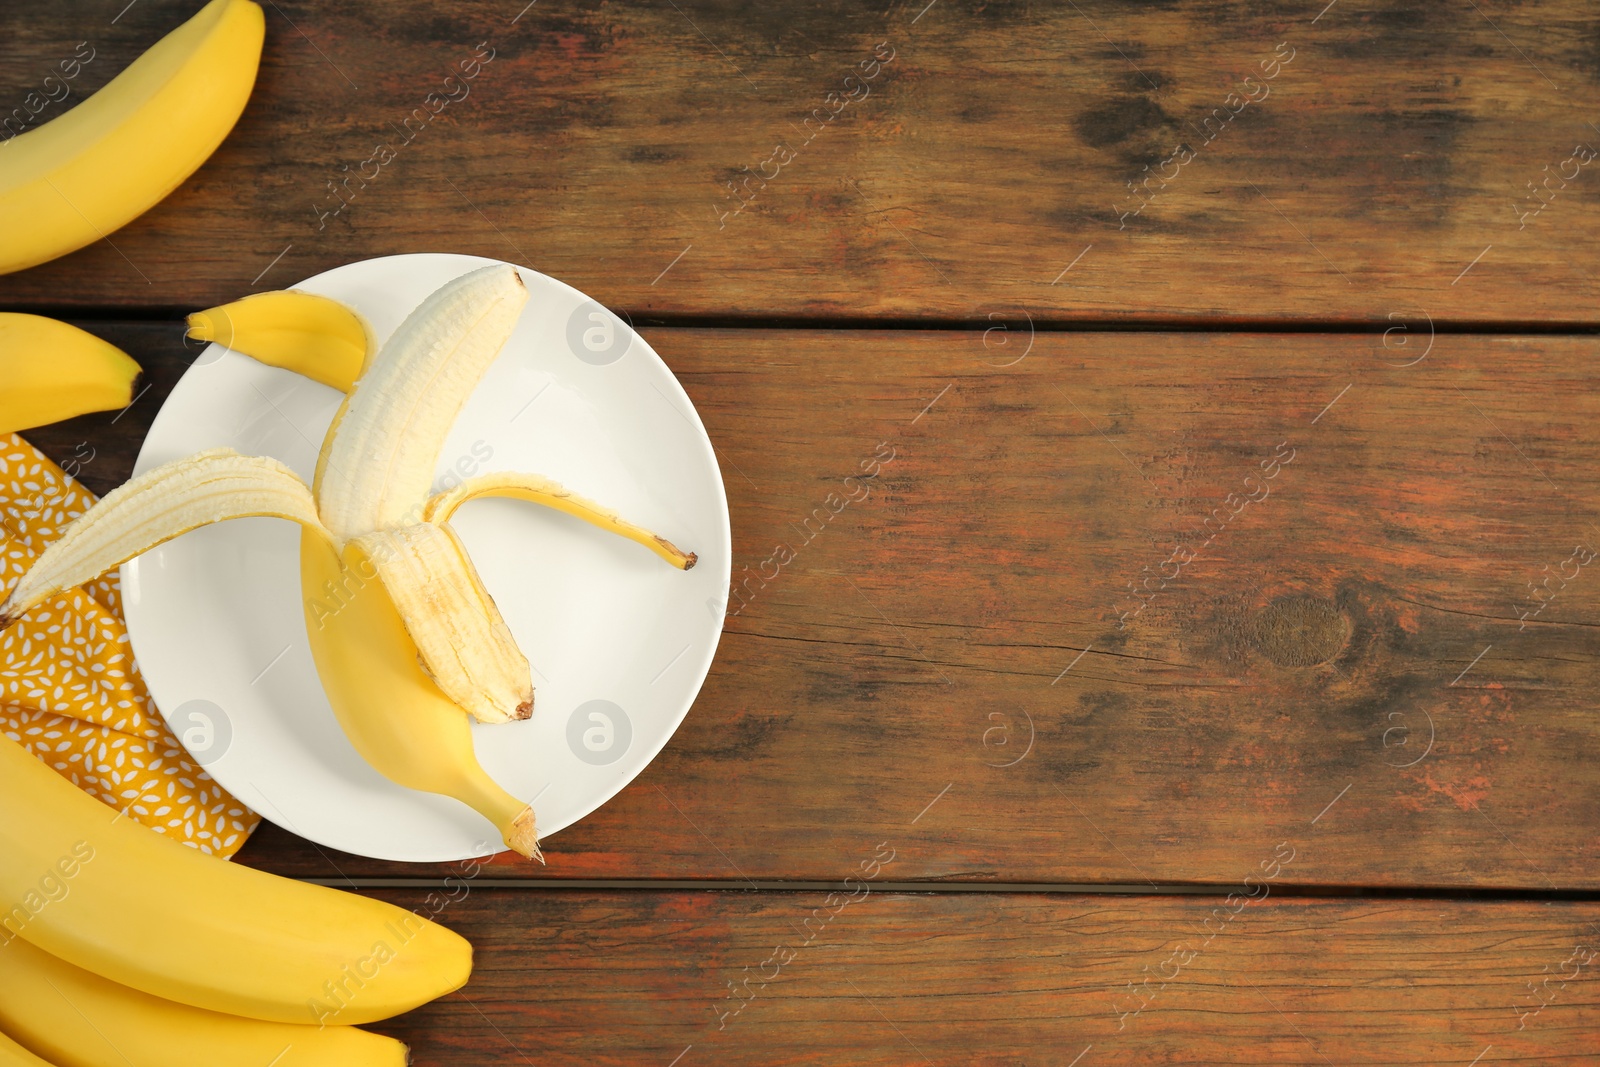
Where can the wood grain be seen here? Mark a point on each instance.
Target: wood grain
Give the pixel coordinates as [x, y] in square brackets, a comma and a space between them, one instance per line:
[1343, 665]
[1405, 157]
[1071, 632]
[1003, 979]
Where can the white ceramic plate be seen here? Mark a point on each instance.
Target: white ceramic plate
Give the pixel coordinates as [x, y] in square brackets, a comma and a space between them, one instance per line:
[619, 641]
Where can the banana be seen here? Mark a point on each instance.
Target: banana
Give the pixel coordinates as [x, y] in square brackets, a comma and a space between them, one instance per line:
[303, 332]
[51, 371]
[392, 712]
[78, 1019]
[14, 1055]
[99, 166]
[110, 896]
[408, 643]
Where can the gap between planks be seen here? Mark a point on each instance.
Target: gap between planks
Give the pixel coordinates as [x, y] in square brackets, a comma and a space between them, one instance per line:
[642, 319]
[1132, 889]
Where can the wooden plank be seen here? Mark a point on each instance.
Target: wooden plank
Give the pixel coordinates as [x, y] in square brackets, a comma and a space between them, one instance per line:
[1406, 157]
[1001, 979]
[1343, 657]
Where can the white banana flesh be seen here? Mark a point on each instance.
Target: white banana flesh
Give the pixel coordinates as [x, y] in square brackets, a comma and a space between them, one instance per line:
[462, 640]
[379, 463]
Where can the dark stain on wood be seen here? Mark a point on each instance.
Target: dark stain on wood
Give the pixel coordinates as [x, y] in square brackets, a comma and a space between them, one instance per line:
[1300, 631]
[652, 154]
[1588, 58]
[749, 733]
[1114, 122]
[1149, 80]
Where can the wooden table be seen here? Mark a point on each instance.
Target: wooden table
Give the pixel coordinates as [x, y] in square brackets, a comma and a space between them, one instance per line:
[1210, 676]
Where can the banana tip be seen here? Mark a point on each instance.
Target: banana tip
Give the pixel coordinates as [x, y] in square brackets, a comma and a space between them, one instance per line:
[523, 836]
[524, 711]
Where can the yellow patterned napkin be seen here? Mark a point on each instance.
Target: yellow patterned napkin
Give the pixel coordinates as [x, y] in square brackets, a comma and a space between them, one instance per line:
[69, 689]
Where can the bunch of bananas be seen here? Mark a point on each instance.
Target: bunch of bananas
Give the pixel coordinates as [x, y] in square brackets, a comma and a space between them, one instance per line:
[119, 946]
[156, 947]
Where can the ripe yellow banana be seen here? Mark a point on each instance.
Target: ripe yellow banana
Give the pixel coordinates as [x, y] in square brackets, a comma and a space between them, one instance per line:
[14, 1055]
[76, 1018]
[51, 371]
[303, 332]
[99, 166]
[113, 897]
[406, 640]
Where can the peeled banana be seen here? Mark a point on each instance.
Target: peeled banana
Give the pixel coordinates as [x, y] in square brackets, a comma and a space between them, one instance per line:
[407, 641]
[107, 161]
[110, 896]
[78, 1019]
[51, 371]
[379, 457]
[303, 332]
